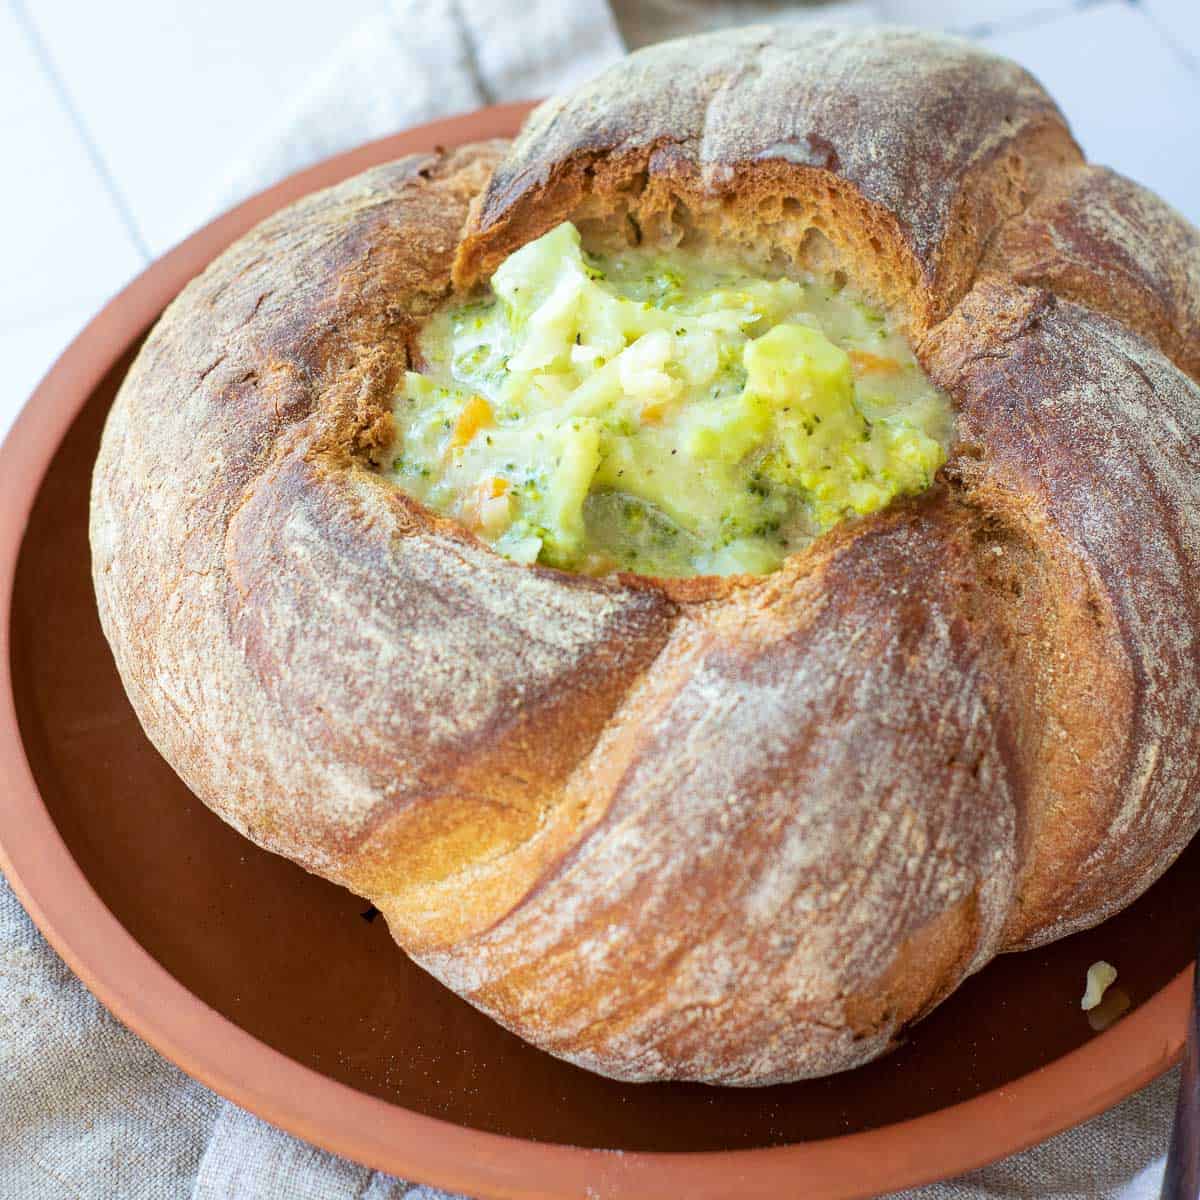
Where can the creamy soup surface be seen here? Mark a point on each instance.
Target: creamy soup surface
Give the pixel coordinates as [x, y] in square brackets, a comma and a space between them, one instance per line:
[661, 413]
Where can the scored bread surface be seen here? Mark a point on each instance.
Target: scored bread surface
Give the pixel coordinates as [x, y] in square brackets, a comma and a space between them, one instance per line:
[742, 830]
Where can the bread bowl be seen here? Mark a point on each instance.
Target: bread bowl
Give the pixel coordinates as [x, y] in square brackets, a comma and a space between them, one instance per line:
[741, 828]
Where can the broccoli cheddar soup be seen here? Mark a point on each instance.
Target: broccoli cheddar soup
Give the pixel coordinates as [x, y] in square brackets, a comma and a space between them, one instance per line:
[660, 412]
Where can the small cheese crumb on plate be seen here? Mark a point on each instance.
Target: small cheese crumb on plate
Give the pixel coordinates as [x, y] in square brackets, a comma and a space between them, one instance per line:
[1101, 975]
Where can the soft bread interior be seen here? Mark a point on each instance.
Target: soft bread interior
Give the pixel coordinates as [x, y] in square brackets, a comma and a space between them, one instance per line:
[780, 217]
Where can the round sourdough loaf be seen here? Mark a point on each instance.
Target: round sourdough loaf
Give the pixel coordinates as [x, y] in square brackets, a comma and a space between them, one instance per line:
[735, 830]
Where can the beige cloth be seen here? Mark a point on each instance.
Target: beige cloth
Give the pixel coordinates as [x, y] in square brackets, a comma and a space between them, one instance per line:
[87, 1111]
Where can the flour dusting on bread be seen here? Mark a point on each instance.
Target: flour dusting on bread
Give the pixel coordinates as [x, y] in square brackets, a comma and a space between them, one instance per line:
[735, 830]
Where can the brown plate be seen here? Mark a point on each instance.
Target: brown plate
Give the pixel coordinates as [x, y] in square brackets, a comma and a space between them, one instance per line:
[276, 989]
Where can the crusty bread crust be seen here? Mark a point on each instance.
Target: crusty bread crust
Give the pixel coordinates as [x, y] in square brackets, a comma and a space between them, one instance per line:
[746, 830]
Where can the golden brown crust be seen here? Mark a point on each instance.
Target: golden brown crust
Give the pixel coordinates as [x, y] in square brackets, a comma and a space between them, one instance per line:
[1088, 446]
[740, 831]
[1110, 244]
[747, 849]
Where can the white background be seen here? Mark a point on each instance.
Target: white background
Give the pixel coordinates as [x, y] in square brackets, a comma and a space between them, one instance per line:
[120, 121]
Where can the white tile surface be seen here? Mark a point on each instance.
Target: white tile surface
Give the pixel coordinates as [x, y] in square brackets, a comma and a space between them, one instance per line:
[64, 240]
[28, 350]
[1179, 20]
[968, 16]
[1130, 97]
[172, 90]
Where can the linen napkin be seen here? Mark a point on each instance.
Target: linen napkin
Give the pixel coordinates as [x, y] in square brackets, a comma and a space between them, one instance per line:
[90, 1112]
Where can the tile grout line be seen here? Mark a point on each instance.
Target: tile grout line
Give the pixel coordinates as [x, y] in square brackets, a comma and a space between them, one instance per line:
[471, 54]
[1183, 53]
[1025, 22]
[1032, 20]
[42, 53]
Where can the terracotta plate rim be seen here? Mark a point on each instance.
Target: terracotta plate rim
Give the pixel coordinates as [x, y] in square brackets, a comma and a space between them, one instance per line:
[214, 1050]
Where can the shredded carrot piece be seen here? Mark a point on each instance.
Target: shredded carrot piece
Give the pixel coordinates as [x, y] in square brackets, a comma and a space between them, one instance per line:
[653, 414]
[475, 415]
[863, 361]
[497, 485]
